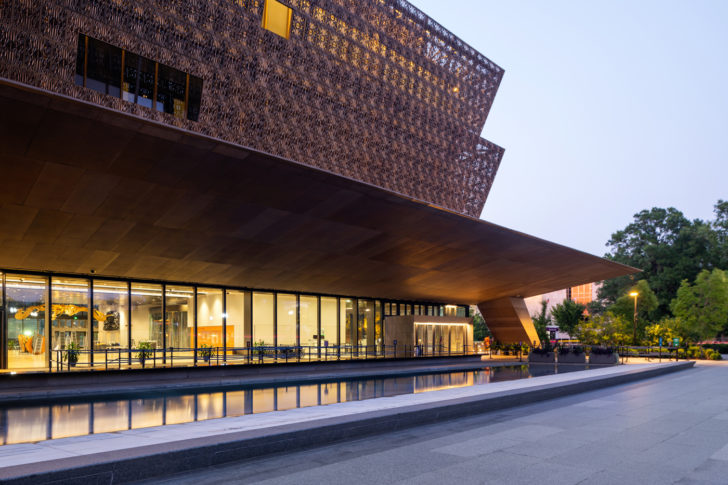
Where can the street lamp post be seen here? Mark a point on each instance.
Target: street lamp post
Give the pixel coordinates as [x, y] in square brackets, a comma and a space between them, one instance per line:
[634, 295]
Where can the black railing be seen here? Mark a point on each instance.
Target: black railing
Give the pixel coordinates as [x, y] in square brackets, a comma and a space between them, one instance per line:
[117, 358]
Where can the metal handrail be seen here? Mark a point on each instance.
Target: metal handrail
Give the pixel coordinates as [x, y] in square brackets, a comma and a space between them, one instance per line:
[117, 358]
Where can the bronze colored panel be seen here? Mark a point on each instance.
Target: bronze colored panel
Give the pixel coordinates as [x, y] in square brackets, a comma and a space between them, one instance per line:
[509, 321]
[267, 223]
[374, 91]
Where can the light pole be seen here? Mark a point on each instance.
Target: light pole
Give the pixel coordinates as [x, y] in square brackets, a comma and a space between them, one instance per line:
[634, 294]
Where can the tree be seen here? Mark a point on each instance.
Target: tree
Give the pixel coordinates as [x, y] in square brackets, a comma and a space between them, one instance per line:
[480, 329]
[646, 307]
[606, 329]
[668, 248]
[703, 306]
[657, 330]
[541, 320]
[720, 226]
[568, 315]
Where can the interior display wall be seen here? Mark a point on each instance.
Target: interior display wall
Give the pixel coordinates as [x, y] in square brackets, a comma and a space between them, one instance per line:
[374, 91]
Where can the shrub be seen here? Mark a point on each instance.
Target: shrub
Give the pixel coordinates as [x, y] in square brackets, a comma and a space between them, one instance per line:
[602, 350]
[721, 348]
[540, 350]
[715, 356]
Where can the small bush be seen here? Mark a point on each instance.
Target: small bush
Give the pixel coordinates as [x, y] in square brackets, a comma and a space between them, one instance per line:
[721, 348]
[602, 350]
[715, 356]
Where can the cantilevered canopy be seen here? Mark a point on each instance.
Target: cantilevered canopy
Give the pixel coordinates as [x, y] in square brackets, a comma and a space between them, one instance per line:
[86, 188]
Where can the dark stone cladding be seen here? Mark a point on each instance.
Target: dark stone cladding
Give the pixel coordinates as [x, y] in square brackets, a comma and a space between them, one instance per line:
[375, 91]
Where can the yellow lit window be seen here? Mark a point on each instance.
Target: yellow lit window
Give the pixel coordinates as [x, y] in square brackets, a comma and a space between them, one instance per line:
[277, 18]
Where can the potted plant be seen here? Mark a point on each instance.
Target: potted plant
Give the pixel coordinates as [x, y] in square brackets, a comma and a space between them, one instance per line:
[206, 351]
[144, 351]
[603, 355]
[72, 354]
[542, 355]
[572, 355]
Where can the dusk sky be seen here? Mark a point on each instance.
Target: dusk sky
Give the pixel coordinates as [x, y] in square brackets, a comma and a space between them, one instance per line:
[606, 108]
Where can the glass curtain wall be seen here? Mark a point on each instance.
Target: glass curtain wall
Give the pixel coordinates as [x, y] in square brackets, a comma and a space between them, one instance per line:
[263, 311]
[329, 321]
[366, 328]
[347, 330]
[146, 316]
[180, 322]
[287, 316]
[209, 318]
[111, 314]
[27, 328]
[309, 318]
[236, 317]
[70, 317]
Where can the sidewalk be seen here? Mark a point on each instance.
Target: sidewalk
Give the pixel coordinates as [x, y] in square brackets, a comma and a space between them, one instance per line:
[167, 449]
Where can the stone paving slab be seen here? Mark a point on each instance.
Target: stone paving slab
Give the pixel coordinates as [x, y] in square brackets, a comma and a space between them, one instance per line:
[135, 454]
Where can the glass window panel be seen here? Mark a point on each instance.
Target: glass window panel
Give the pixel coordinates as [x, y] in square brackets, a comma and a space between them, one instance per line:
[27, 330]
[309, 321]
[365, 322]
[286, 319]
[209, 317]
[70, 315]
[194, 98]
[262, 319]
[171, 91]
[329, 308]
[347, 322]
[146, 315]
[378, 327]
[111, 314]
[236, 320]
[131, 77]
[180, 319]
[145, 90]
[103, 67]
[80, 59]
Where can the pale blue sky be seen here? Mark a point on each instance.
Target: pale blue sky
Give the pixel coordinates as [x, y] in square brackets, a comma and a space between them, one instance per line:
[607, 107]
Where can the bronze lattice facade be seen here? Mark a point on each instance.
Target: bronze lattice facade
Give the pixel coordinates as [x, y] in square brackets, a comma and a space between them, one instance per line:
[375, 90]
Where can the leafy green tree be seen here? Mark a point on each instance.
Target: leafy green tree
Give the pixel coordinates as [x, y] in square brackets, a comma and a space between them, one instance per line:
[646, 307]
[541, 320]
[606, 329]
[703, 306]
[720, 226]
[480, 329]
[568, 315]
[668, 248]
[678, 328]
[655, 331]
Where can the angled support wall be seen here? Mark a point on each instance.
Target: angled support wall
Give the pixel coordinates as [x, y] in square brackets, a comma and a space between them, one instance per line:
[508, 320]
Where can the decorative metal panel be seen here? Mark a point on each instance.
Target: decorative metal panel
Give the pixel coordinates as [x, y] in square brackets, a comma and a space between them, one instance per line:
[372, 90]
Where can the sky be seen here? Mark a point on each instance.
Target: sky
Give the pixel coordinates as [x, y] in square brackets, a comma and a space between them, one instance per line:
[606, 108]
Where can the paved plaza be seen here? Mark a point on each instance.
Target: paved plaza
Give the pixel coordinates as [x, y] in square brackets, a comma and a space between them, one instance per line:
[669, 429]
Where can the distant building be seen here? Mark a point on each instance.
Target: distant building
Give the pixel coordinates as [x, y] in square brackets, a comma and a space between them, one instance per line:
[583, 294]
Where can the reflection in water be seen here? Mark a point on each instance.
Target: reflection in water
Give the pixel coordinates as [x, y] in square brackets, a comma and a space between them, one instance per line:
[36, 423]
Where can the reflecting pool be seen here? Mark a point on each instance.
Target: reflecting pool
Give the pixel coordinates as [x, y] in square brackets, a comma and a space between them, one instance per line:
[22, 424]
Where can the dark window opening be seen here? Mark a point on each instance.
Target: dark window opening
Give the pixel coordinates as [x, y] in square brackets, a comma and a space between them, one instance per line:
[136, 79]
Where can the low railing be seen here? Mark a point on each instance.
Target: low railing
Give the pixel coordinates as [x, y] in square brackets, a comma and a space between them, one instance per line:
[117, 358]
[651, 352]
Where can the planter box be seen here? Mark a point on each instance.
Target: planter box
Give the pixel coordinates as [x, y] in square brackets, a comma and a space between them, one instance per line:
[604, 358]
[572, 358]
[548, 358]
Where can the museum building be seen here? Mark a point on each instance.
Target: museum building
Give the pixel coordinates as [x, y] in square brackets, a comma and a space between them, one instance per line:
[195, 178]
